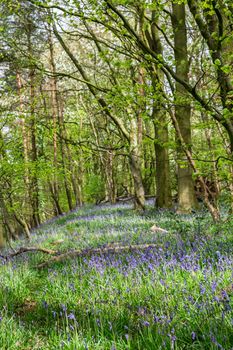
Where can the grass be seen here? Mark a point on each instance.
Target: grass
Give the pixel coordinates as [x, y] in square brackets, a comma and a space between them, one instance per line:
[175, 296]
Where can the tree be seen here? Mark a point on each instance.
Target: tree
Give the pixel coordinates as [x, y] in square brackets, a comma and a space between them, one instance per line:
[186, 195]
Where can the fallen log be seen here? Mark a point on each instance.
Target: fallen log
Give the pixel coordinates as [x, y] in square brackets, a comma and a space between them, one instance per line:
[28, 249]
[88, 252]
[77, 253]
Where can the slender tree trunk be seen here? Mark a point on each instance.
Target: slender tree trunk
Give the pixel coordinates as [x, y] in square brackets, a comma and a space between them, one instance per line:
[186, 193]
[70, 165]
[135, 167]
[2, 241]
[79, 171]
[56, 205]
[149, 160]
[110, 177]
[30, 154]
[34, 190]
[214, 175]
[26, 143]
[57, 106]
[6, 221]
[54, 183]
[24, 225]
[66, 156]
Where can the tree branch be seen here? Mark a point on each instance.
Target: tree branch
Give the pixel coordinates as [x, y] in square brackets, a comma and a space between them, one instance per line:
[23, 250]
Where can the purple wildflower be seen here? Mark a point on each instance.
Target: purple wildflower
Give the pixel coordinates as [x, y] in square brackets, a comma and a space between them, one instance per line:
[45, 304]
[213, 286]
[224, 295]
[193, 335]
[202, 289]
[71, 316]
[64, 308]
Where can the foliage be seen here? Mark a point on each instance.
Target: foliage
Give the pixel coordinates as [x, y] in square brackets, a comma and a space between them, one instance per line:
[94, 189]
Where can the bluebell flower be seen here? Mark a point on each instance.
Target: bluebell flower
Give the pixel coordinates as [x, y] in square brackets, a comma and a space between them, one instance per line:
[193, 335]
[71, 316]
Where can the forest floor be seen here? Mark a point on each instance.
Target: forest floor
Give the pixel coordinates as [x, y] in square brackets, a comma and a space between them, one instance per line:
[175, 294]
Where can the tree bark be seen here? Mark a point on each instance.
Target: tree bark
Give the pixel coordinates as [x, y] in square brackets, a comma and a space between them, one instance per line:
[135, 167]
[54, 183]
[34, 188]
[186, 194]
[163, 180]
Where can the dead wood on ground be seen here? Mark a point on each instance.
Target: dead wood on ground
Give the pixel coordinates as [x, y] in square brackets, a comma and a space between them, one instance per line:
[112, 248]
[87, 252]
[23, 250]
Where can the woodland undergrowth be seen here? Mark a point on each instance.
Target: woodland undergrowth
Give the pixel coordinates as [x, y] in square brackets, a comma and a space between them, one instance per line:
[175, 294]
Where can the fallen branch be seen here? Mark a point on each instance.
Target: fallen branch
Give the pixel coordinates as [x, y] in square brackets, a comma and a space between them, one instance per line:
[28, 249]
[88, 252]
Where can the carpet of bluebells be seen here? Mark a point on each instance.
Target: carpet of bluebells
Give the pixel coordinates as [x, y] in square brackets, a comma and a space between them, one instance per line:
[175, 294]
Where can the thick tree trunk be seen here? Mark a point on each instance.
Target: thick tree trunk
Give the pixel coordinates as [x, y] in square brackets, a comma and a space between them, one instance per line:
[214, 211]
[186, 194]
[162, 174]
[163, 186]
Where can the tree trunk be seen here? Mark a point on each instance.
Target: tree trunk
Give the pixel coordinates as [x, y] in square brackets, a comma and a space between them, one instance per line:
[163, 187]
[56, 205]
[34, 189]
[186, 194]
[159, 118]
[135, 167]
[110, 177]
[54, 183]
